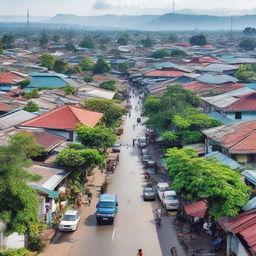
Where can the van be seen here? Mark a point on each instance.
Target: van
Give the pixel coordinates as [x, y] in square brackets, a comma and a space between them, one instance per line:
[142, 142]
[106, 208]
[170, 200]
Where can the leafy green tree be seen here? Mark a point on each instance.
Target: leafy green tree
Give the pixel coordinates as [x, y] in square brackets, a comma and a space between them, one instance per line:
[81, 158]
[195, 179]
[19, 202]
[88, 79]
[56, 38]
[32, 94]
[173, 38]
[24, 83]
[69, 90]
[99, 137]
[198, 40]
[170, 138]
[43, 40]
[248, 44]
[123, 67]
[108, 85]
[178, 53]
[60, 66]
[151, 105]
[159, 54]
[86, 64]
[70, 47]
[47, 60]
[101, 67]
[1, 48]
[147, 43]
[87, 43]
[74, 70]
[15, 252]
[32, 107]
[245, 73]
[123, 40]
[8, 41]
[112, 111]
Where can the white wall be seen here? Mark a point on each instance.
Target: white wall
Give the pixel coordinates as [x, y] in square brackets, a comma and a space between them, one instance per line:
[14, 241]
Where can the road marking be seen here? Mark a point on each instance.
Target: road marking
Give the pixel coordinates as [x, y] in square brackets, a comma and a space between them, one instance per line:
[113, 234]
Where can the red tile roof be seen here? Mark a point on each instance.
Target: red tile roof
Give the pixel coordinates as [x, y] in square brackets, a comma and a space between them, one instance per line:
[246, 103]
[5, 107]
[65, 117]
[244, 225]
[203, 60]
[165, 73]
[182, 44]
[197, 209]
[101, 78]
[9, 78]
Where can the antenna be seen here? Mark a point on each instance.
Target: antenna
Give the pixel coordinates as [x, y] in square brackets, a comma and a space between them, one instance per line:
[28, 26]
[173, 6]
[231, 27]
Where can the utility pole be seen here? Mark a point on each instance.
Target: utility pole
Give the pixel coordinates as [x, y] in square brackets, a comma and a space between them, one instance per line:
[28, 27]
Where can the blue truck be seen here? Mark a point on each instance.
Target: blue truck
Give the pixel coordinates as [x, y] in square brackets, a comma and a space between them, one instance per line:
[106, 208]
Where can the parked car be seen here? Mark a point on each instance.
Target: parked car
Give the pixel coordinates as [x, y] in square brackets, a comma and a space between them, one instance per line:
[116, 147]
[142, 142]
[145, 158]
[145, 151]
[150, 163]
[161, 187]
[170, 200]
[69, 221]
[106, 208]
[149, 193]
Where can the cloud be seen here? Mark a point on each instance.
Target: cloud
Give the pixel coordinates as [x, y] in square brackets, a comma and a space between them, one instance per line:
[102, 5]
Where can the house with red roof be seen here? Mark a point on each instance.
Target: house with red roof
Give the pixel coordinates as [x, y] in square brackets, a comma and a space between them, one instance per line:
[236, 140]
[64, 120]
[165, 73]
[9, 79]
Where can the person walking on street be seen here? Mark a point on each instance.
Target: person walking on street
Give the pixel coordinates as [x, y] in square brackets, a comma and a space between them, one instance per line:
[89, 197]
[174, 251]
[140, 253]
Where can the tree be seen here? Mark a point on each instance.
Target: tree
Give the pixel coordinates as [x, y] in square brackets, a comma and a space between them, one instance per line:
[32, 107]
[15, 252]
[147, 43]
[101, 67]
[108, 85]
[32, 94]
[56, 38]
[60, 66]
[87, 43]
[86, 64]
[123, 40]
[249, 31]
[8, 41]
[74, 159]
[24, 83]
[88, 79]
[43, 40]
[159, 54]
[19, 201]
[70, 47]
[245, 73]
[69, 90]
[1, 48]
[198, 40]
[74, 70]
[123, 67]
[99, 137]
[173, 38]
[178, 53]
[47, 60]
[248, 44]
[112, 111]
[151, 105]
[195, 179]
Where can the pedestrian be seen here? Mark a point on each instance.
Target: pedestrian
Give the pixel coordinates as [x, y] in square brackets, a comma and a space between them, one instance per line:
[133, 142]
[174, 251]
[89, 197]
[78, 203]
[117, 158]
[140, 253]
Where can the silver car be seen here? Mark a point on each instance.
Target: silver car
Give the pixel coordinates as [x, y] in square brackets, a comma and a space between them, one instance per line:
[149, 193]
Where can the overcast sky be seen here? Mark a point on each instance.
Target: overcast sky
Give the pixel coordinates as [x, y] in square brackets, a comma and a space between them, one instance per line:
[95, 7]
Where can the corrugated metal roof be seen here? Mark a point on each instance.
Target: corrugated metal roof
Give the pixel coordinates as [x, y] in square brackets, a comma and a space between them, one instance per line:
[51, 193]
[250, 205]
[216, 79]
[197, 209]
[223, 159]
[250, 175]
[223, 119]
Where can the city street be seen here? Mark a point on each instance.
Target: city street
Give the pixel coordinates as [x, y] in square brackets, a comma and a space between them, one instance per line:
[134, 226]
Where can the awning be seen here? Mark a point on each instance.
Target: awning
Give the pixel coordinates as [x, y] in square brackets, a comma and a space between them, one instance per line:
[197, 209]
[50, 193]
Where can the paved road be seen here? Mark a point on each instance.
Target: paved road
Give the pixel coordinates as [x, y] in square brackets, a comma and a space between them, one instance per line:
[134, 226]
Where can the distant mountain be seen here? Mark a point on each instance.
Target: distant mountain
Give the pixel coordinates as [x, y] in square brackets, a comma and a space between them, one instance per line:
[167, 21]
[9, 18]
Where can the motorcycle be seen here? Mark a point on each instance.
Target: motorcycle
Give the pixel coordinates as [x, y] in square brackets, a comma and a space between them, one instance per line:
[158, 217]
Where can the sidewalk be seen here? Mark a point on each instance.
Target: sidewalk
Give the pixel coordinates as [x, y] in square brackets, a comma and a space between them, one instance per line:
[61, 243]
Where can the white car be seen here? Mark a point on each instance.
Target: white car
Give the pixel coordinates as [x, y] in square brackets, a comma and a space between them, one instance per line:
[170, 200]
[161, 187]
[69, 221]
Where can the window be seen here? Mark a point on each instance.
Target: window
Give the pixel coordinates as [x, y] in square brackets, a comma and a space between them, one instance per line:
[238, 115]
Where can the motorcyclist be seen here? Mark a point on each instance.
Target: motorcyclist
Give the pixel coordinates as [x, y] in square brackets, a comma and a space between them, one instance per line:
[158, 214]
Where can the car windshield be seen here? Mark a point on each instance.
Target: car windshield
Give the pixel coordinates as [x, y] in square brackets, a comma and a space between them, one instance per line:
[69, 217]
[171, 197]
[142, 140]
[162, 189]
[117, 144]
[148, 190]
[106, 205]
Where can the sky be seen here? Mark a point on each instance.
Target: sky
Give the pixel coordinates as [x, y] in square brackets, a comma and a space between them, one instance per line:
[98, 7]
